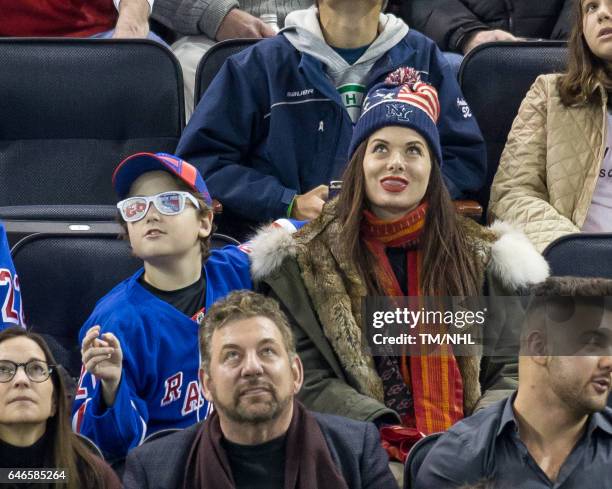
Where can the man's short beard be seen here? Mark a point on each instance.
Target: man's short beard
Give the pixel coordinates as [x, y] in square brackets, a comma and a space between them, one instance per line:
[239, 413]
[579, 405]
[572, 395]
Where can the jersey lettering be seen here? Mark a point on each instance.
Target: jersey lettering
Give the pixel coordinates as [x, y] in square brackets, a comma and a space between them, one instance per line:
[81, 392]
[9, 314]
[193, 399]
[18, 290]
[173, 388]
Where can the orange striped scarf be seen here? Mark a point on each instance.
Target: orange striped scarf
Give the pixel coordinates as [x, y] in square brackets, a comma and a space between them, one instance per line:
[434, 381]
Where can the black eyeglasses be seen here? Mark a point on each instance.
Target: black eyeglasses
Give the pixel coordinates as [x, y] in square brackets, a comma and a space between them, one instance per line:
[36, 370]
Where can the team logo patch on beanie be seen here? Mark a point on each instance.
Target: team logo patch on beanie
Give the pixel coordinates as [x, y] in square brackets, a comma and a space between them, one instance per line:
[400, 112]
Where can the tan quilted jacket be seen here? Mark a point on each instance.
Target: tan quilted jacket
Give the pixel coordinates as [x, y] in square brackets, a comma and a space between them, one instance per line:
[548, 170]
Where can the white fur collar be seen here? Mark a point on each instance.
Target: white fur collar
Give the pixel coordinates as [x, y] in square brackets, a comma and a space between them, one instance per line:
[514, 260]
[268, 248]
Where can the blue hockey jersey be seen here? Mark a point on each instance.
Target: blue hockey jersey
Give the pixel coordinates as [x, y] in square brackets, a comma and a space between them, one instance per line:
[159, 386]
[10, 292]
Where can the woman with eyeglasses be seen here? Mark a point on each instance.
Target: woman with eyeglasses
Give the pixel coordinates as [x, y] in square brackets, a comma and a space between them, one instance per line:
[35, 430]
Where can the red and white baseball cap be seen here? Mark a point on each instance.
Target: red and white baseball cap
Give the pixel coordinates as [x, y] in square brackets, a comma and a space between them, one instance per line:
[133, 166]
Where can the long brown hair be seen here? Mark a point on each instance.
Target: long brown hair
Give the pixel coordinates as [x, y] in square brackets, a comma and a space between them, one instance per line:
[577, 86]
[67, 450]
[448, 267]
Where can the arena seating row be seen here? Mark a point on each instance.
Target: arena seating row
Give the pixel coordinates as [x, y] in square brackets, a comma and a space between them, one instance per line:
[64, 138]
[62, 275]
[85, 266]
[61, 139]
[73, 108]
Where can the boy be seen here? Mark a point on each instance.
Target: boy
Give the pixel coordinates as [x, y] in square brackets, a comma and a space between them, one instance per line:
[140, 345]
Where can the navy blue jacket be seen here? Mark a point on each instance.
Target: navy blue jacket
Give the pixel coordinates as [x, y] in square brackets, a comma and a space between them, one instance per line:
[272, 125]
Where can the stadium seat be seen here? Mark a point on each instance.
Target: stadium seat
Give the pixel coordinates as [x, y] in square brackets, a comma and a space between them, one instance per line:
[581, 255]
[70, 110]
[62, 276]
[160, 434]
[211, 62]
[90, 445]
[415, 459]
[495, 78]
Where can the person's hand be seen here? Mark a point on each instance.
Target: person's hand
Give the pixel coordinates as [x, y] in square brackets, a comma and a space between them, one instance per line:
[240, 24]
[102, 357]
[481, 37]
[308, 206]
[133, 21]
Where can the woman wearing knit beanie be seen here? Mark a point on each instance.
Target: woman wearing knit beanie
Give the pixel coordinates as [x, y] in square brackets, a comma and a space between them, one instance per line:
[393, 231]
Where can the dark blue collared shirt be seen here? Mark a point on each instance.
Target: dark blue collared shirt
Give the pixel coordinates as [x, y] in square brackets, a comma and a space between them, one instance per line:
[486, 446]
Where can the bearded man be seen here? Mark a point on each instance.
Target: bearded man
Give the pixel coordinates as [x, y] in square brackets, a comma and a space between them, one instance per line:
[258, 436]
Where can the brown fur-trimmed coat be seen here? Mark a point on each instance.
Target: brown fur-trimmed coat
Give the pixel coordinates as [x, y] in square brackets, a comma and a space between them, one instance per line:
[310, 274]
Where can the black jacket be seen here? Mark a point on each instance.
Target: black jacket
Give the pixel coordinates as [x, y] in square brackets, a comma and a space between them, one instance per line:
[448, 22]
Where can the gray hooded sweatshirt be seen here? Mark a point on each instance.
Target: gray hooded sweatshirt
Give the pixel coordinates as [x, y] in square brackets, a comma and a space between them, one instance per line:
[306, 36]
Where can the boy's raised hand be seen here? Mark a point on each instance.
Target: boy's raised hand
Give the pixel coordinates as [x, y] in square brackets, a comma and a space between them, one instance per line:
[102, 357]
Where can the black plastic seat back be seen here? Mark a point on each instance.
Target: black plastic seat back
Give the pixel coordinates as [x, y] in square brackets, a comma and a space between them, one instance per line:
[580, 255]
[161, 434]
[495, 78]
[62, 277]
[71, 109]
[415, 459]
[213, 60]
[90, 445]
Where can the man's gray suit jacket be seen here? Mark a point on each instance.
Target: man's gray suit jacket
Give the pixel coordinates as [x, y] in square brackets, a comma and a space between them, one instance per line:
[354, 447]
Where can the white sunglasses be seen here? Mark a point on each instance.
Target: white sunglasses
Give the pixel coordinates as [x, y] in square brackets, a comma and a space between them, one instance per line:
[171, 203]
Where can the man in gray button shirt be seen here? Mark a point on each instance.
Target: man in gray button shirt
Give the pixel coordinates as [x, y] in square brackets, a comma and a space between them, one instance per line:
[555, 431]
